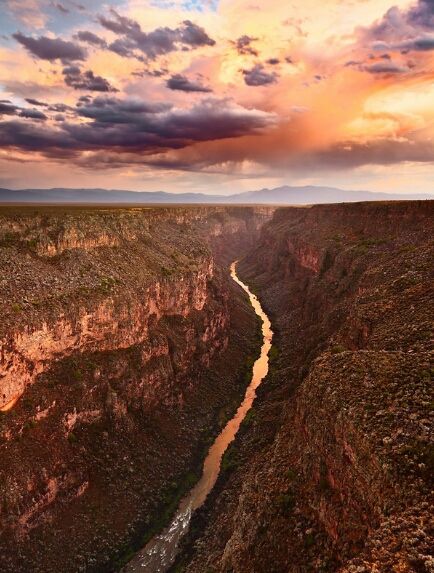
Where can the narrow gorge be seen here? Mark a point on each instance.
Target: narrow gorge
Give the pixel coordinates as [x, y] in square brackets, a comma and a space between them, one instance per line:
[126, 347]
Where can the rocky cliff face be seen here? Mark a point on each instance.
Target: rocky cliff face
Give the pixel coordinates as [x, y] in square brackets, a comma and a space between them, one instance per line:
[333, 470]
[117, 330]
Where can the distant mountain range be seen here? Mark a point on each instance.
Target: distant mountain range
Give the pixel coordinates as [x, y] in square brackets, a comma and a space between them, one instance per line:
[285, 195]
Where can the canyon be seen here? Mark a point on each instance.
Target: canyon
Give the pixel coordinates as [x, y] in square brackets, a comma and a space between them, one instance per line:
[334, 470]
[125, 347]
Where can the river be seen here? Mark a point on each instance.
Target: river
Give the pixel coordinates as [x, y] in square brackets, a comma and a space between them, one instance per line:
[159, 554]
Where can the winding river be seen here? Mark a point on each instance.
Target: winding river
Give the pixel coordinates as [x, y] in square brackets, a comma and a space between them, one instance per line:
[159, 554]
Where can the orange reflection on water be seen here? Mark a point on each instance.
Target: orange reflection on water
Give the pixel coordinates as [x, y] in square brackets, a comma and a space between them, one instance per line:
[211, 467]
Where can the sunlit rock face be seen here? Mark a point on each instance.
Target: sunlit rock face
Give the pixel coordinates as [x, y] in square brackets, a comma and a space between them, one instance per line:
[333, 472]
[120, 354]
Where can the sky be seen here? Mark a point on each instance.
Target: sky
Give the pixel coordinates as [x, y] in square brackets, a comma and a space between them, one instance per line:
[217, 96]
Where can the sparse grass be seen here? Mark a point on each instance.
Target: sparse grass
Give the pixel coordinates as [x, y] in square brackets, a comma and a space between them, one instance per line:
[337, 349]
[249, 418]
[9, 239]
[32, 244]
[285, 502]
[29, 424]
[273, 354]
[230, 460]
[107, 284]
[291, 474]
[166, 272]
[309, 540]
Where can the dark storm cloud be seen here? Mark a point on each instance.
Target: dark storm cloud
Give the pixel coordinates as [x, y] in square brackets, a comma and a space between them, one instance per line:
[385, 68]
[152, 44]
[244, 47]
[32, 137]
[83, 100]
[51, 48]
[87, 80]
[120, 24]
[193, 35]
[33, 114]
[111, 110]
[32, 101]
[158, 73]
[419, 44]
[61, 108]
[123, 47]
[258, 76]
[62, 8]
[90, 38]
[182, 83]
[404, 30]
[422, 14]
[131, 126]
[6, 108]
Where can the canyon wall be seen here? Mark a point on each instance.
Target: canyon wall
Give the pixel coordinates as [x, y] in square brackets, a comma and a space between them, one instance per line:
[117, 330]
[333, 469]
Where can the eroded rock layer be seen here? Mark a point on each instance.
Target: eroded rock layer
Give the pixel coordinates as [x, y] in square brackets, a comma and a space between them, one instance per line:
[333, 469]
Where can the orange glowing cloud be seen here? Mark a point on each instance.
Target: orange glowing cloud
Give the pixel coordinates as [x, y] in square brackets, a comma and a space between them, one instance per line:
[219, 93]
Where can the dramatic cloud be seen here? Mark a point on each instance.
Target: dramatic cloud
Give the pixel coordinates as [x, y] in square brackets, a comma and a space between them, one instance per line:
[142, 123]
[51, 48]
[61, 107]
[385, 68]
[418, 44]
[6, 108]
[62, 8]
[244, 46]
[87, 80]
[410, 29]
[133, 126]
[114, 110]
[258, 76]
[152, 44]
[193, 35]
[90, 38]
[33, 114]
[182, 83]
[299, 89]
[33, 101]
[422, 14]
